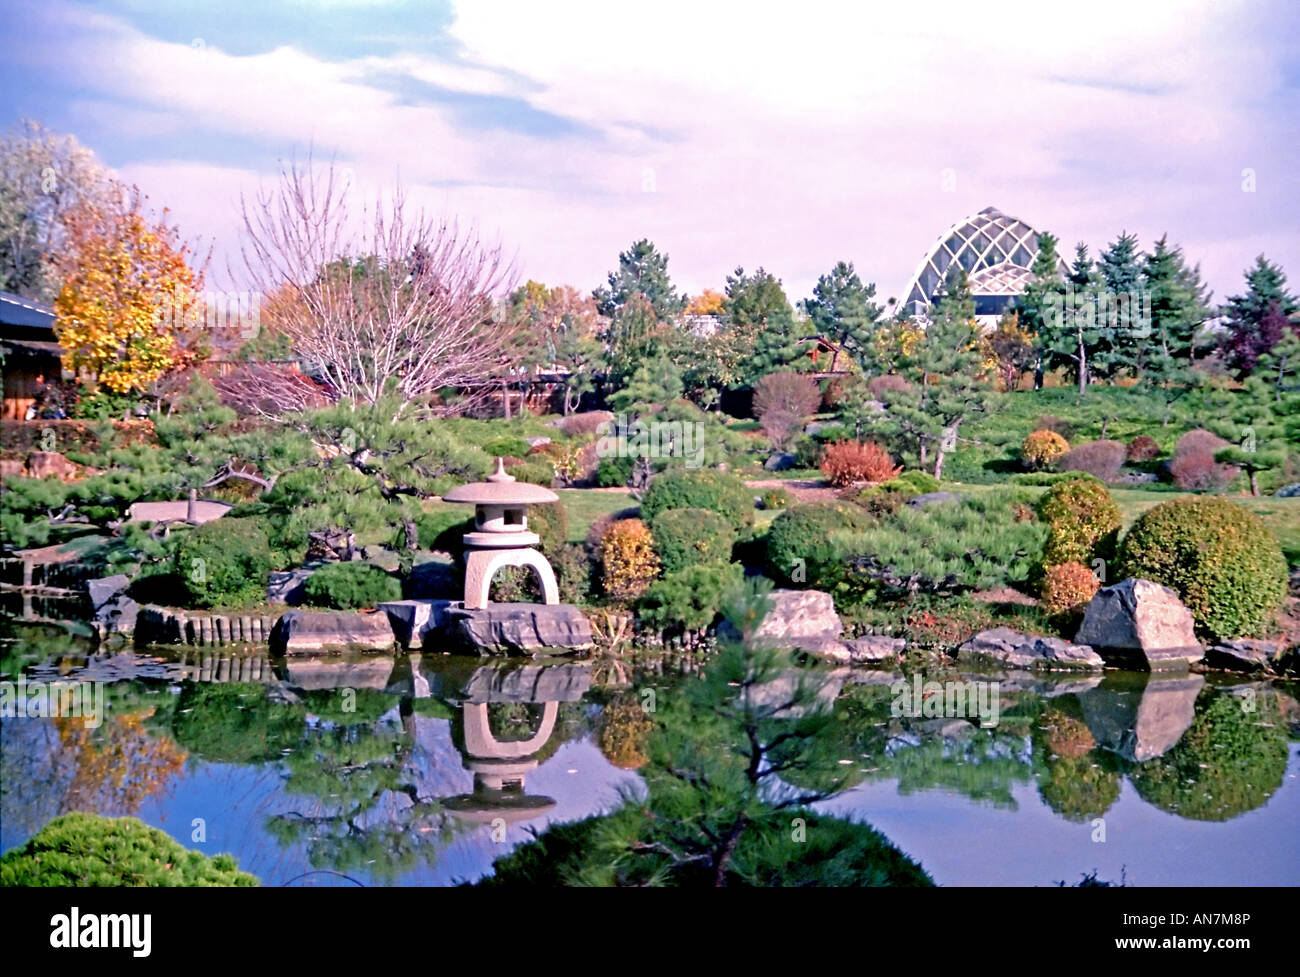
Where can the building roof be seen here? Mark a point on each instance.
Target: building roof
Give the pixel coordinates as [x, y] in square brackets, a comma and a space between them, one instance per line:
[978, 243]
[1004, 278]
[18, 311]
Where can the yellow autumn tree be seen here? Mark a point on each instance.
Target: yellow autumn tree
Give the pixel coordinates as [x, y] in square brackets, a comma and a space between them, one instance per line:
[708, 302]
[129, 307]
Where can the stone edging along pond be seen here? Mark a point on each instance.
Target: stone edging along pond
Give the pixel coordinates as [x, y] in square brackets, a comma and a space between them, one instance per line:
[166, 625]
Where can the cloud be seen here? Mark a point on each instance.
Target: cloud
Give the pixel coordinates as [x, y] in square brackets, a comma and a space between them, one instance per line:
[728, 133]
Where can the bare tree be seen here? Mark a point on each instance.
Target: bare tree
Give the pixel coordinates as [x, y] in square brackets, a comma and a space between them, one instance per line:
[384, 297]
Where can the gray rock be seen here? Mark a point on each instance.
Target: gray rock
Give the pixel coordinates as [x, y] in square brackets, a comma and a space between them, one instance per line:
[1137, 478]
[299, 632]
[1243, 654]
[816, 427]
[106, 588]
[794, 615]
[1010, 647]
[780, 461]
[1288, 491]
[874, 648]
[931, 498]
[520, 628]
[1143, 622]
[286, 586]
[117, 616]
[534, 440]
[414, 621]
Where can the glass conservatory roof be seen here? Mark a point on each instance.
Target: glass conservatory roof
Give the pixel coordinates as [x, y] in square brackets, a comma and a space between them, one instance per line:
[989, 241]
[1005, 278]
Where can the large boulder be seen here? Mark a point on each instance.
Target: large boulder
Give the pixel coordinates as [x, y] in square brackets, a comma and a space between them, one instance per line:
[1011, 648]
[795, 616]
[518, 628]
[780, 461]
[1244, 655]
[1141, 622]
[104, 589]
[302, 632]
[414, 621]
[289, 586]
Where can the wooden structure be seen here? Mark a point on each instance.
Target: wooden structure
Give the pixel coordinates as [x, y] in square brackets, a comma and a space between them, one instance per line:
[30, 354]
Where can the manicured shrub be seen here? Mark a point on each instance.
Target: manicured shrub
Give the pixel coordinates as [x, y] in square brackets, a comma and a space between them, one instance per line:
[800, 548]
[1220, 558]
[349, 586]
[434, 528]
[808, 452]
[964, 544]
[689, 599]
[687, 537]
[846, 462]
[1193, 467]
[537, 471]
[628, 560]
[1041, 449]
[614, 471]
[1082, 522]
[224, 563]
[776, 498]
[912, 482]
[701, 488]
[1142, 448]
[81, 849]
[1100, 459]
[1067, 587]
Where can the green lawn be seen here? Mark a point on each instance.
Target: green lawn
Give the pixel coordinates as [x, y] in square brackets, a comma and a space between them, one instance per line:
[585, 507]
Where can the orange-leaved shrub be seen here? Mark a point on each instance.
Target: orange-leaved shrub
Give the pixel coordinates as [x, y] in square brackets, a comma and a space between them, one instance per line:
[628, 560]
[846, 462]
[1068, 587]
[1042, 448]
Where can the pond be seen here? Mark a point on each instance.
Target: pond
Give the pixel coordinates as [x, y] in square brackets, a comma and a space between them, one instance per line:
[423, 769]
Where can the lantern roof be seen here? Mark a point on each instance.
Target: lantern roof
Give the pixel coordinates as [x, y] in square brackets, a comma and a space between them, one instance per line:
[501, 489]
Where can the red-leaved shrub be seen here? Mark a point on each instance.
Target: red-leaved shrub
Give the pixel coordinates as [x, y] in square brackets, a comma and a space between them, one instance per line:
[846, 462]
[1193, 466]
[1100, 459]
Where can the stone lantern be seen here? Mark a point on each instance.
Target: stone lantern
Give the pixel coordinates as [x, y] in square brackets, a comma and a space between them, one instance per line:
[501, 537]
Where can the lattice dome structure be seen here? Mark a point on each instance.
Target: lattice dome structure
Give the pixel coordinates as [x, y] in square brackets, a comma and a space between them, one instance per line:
[996, 251]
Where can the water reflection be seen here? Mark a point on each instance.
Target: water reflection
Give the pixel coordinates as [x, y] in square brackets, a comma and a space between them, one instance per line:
[423, 768]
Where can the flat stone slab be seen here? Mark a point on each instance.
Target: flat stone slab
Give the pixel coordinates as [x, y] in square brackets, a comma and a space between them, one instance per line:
[1141, 620]
[414, 621]
[104, 589]
[518, 628]
[304, 632]
[1243, 655]
[1009, 647]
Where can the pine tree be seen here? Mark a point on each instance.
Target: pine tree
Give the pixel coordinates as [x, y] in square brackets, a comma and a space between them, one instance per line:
[642, 270]
[1123, 328]
[1257, 318]
[947, 379]
[842, 311]
[760, 316]
[1042, 302]
[1179, 307]
[1071, 331]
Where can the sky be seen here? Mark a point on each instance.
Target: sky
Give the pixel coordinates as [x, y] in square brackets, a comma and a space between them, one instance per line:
[784, 135]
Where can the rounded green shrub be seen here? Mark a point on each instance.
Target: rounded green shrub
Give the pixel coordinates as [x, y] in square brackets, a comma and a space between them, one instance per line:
[615, 471]
[224, 563]
[800, 548]
[775, 498]
[701, 488]
[689, 537]
[81, 849]
[505, 446]
[913, 483]
[348, 586]
[689, 599]
[1082, 522]
[435, 528]
[1221, 560]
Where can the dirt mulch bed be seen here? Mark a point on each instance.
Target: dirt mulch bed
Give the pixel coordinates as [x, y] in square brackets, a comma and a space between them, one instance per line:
[802, 489]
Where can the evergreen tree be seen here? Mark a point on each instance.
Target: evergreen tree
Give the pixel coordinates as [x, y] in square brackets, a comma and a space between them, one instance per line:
[1123, 328]
[1071, 331]
[760, 316]
[642, 270]
[1179, 308]
[1042, 302]
[946, 374]
[843, 312]
[1257, 318]
[655, 381]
